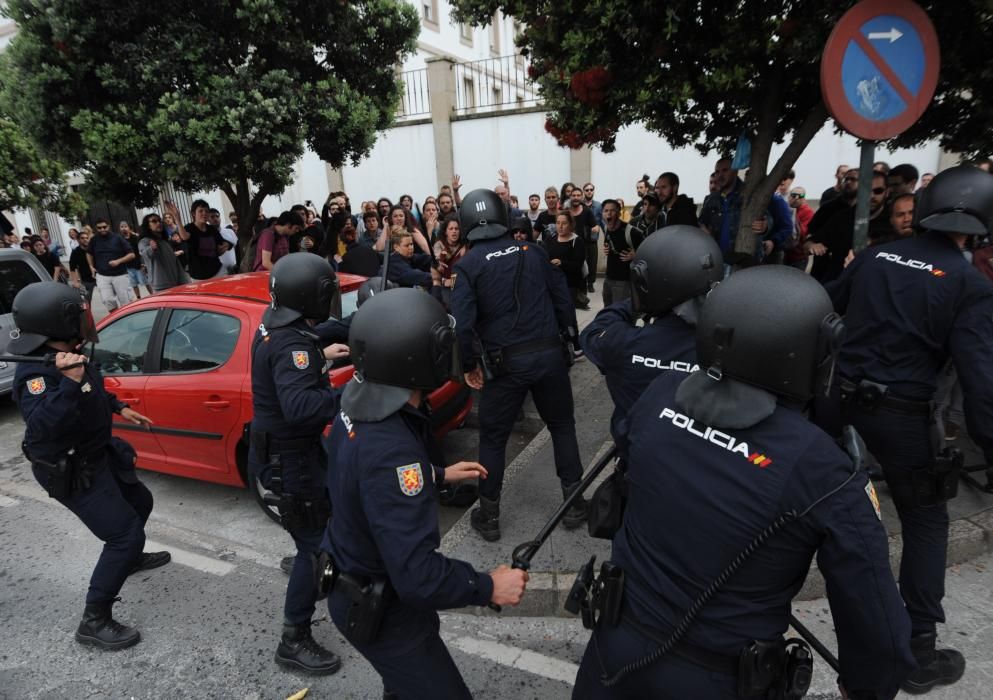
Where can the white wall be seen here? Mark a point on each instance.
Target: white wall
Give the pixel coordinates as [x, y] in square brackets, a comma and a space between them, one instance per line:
[517, 143]
[401, 162]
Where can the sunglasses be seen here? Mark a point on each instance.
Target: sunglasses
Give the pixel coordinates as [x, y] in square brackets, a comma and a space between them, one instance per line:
[878, 190]
[588, 189]
[797, 194]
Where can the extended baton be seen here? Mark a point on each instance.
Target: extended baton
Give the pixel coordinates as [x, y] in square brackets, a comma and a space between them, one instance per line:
[46, 359]
[525, 551]
[815, 643]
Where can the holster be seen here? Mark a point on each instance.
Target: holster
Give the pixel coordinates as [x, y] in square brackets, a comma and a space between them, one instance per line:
[776, 670]
[931, 486]
[369, 597]
[64, 476]
[300, 513]
[296, 512]
[598, 599]
[606, 509]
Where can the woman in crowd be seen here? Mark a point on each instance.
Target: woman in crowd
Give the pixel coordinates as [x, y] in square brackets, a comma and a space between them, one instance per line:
[407, 202]
[159, 256]
[431, 220]
[568, 253]
[49, 260]
[407, 268]
[73, 239]
[564, 195]
[401, 217]
[448, 250]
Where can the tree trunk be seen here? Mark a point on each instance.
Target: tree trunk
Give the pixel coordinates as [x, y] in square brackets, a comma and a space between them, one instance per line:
[246, 206]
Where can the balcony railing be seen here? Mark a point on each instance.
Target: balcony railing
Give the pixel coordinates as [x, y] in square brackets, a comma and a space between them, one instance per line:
[414, 100]
[493, 84]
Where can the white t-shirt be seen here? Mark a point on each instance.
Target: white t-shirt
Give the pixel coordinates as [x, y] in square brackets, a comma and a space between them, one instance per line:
[228, 260]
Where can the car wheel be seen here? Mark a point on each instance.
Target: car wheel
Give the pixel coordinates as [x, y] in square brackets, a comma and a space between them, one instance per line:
[260, 492]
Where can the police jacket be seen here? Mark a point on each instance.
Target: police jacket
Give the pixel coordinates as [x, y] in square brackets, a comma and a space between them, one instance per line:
[631, 356]
[410, 272]
[508, 293]
[383, 484]
[291, 394]
[697, 496]
[908, 306]
[61, 414]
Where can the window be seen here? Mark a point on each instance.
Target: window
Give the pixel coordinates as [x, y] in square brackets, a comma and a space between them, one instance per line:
[465, 34]
[429, 13]
[495, 34]
[196, 341]
[14, 276]
[124, 343]
[469, 90]
[349, 304]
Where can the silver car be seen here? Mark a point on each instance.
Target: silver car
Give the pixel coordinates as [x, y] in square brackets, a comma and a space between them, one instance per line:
[18, 269]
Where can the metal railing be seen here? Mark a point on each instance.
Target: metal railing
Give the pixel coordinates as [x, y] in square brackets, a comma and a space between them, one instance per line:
[493, 84]
[414, 100]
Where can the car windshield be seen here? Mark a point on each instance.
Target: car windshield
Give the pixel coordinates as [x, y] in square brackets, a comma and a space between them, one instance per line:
[349, 302]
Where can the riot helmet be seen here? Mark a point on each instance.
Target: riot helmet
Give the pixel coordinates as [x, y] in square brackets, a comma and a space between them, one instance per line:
[370, 288]
[674, 265]
[301, 285]
[483, 215]
[401, 339]
[772, 327]
[46, 311]
[958, 200]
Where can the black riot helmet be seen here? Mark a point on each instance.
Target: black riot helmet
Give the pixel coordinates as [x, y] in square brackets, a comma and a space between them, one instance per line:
[958, 200]
[370, 288]
[301, 285]
[773, 327]
[483, 215]
[46, 311]
[400, 339]
[674, 265]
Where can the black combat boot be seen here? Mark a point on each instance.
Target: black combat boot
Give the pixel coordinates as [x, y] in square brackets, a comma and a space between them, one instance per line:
[299, 650]
[99, 629]
[576, 515]
[934, 666]
[151, 560]
[486, 519]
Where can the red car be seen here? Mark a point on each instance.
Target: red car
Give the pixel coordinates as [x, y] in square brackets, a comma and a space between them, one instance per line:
[183, 358]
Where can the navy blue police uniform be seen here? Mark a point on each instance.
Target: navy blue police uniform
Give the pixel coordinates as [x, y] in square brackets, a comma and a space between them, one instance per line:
[414, 271]
[63, 416]
[698, 496]
[908, 306]
[509, 296]
[631, 357]
[383, 477]
[293, 402]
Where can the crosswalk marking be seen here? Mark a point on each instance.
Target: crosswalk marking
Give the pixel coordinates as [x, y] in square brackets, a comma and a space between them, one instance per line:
[521, 659]
[194, 561]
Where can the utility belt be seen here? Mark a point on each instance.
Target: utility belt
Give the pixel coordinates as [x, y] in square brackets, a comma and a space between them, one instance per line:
[495, 361]
[871, 396]
[773, 670]
[296, 512]
[70, 473]
[931, 486]
[368, 596]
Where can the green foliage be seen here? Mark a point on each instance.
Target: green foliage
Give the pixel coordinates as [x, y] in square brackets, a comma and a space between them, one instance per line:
[207, 94]
[29, 180]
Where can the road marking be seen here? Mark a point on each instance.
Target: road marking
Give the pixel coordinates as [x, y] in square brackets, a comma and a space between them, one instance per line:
[7, 501]
[194, 561]
[521, 659]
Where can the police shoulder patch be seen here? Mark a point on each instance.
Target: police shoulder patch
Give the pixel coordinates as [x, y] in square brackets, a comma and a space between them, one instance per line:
[411, 479]
[870, 491]
[301, 359]
[36, 386]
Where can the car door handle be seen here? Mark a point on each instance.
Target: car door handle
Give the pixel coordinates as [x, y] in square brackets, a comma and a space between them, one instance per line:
[216, 404]
[130, 400]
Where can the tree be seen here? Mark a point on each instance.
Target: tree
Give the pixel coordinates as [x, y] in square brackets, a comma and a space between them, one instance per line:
[703, 73]
[204, 93]
[28, 180]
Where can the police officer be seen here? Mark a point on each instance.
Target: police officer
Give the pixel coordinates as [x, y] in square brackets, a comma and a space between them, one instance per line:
[908, 306]
[293, 401]
[715, 459]
[67, 439]
[671, 275]
[512, 307]
[384, 471]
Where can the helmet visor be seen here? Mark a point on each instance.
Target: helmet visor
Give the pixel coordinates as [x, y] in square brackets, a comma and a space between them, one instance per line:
[445, 351]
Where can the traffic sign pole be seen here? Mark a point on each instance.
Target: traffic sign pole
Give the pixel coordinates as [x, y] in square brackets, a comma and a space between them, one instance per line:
[861, 233]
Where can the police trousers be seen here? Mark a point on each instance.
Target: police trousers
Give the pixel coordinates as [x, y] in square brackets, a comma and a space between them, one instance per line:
[902, 444]
[669, 678]
[408, 653]
[116, 512]
[303, 475]
[546, 376]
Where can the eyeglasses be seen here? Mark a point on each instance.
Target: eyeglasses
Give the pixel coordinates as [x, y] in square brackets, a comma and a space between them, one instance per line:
[851, 178]
[797, 195]
[878, 190]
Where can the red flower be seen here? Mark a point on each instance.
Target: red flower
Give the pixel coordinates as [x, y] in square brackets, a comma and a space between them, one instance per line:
[590, 86]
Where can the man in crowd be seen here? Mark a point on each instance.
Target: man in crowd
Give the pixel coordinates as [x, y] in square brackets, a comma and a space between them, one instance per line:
[205, 242]
[229, 259]
[676, 208]
[650, 220]
[835, 190]
[620, 241]
[544, 225]
[274, 242]
[370, 232]
[588, 191]
[588, 230]
[925, 180]
[786, 183]
[902, 179]
[641, 187]
[901, 219]
[446, 204]
[850, 190]
[136, 271]
[534, 209]
[310, 239]
[80, 272]
[721, 210]
[109, 255]
[795, 254]
[832, 242]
